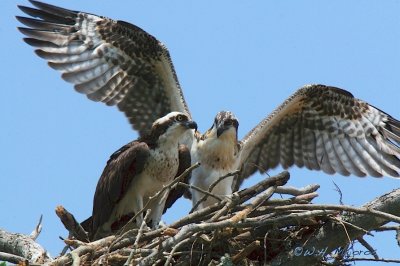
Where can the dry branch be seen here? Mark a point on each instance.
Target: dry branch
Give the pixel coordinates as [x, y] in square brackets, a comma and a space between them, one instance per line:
[20, 248]
[331, 236]
[248, 227]
[71, 224]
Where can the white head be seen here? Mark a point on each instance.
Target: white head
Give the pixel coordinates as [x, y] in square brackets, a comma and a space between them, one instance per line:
[172, 126]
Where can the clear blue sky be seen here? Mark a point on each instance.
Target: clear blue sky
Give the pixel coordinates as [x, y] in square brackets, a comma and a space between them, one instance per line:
[246, 57]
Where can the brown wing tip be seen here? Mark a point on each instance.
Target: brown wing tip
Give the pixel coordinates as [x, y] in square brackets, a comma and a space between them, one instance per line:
[53, 9]
[318, 87]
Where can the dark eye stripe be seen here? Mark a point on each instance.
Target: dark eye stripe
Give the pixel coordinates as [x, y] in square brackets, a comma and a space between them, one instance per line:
[180, 118]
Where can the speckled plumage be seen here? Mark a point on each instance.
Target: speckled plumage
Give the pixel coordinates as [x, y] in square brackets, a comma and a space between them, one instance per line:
[325, 128]
[138, 171]
[110, 61]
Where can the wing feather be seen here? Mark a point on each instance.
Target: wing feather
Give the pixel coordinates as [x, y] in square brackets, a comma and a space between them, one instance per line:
[344, 160]
[366, 160]
[297, 141]
[324, 156]
[110, 61]
[356, 167]
[309, 150]
[76, 66]
[326, 129]
[85, 75]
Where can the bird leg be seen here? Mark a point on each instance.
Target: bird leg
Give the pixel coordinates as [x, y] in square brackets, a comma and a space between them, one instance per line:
[157, 207]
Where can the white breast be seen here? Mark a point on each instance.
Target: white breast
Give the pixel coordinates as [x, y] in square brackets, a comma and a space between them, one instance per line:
[218, 157]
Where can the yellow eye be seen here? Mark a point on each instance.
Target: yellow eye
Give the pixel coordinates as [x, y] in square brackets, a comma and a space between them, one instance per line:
[180, 118]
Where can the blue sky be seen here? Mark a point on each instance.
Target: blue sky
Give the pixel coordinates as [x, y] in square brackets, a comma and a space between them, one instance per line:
[246, 57]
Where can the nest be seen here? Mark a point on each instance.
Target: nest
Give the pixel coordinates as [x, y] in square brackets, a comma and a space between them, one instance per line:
[248, 228]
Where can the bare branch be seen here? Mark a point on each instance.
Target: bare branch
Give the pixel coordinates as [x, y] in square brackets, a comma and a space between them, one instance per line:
[369, 217]
[71, 224]
[158, 195]
[12, 258]
[232, 230]
[373, 260]
[297, 191]
[23, 246]
[139, 235]
[210, 189]
[200, 190]
[368, 247]
[36, 232]
[245, 252]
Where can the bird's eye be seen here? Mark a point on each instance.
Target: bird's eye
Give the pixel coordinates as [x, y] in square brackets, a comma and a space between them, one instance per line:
[180, 118]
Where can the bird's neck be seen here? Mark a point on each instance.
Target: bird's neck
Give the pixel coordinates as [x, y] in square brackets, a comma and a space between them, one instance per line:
[167, 143]
[219, 153]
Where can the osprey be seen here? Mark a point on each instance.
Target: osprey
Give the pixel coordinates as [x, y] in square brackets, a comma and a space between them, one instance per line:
[137, 172]
[318, 127]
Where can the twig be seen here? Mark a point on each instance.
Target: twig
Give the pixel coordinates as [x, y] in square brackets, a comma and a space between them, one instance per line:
[254, 204]
[261, 226]
[380, 214]
[245, 252]
[368, 247]
[278, 180]
[198, 215]
[210, 189]
[343, 222]
[231, 202]
[300, 199]
[338, 190]
[387, 228]
[173, 251]
[200, 190]
[158, 194]
[370, 259]
[38, 229]
[297, 191]
[139, 235]
[84, 249]
[74, 243]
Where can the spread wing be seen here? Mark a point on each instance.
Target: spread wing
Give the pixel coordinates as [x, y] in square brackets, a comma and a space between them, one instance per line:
[110, 61]
[178, 191]
[325, 128]
[121, 169]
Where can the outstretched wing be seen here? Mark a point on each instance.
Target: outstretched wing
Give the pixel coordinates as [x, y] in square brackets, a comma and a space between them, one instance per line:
[122, 167]
[110, 61]
[324, 128]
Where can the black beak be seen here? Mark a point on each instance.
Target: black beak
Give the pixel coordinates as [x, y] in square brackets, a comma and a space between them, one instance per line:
[190, 124]
[221, 129]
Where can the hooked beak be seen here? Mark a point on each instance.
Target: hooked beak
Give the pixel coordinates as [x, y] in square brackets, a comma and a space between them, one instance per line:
[190, 124]
[221, 129]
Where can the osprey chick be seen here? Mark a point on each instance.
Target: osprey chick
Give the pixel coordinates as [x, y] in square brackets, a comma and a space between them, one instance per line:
[137, 172]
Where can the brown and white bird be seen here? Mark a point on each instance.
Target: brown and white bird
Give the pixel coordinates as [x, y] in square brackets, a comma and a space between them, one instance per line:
[319, 127]
[137, 172]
